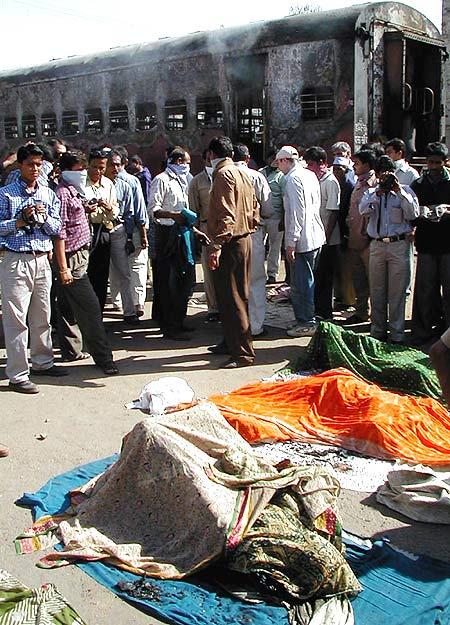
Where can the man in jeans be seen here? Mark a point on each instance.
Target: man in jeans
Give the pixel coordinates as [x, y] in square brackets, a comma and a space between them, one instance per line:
[29, 218]
[304, 236]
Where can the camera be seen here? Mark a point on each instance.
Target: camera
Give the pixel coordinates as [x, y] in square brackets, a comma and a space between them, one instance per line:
[388, 183]
[36, 218]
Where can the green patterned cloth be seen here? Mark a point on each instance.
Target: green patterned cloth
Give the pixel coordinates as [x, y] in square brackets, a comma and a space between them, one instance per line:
[393, 367]
[290, 558]
[26, 606]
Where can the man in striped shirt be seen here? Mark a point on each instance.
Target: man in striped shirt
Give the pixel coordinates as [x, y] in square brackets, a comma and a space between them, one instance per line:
[29, 218]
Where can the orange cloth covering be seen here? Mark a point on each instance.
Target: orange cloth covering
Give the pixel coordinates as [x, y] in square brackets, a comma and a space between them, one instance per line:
[339, 408]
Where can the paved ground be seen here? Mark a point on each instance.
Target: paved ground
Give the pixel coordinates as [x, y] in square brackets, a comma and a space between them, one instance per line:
[83, 418]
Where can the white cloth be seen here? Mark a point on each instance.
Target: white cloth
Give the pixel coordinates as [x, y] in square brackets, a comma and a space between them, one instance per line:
[166, 193]
[330, 197]
[138, 262]
[418, 492]
[163, 393]
[303, 226]
[25, 283]
[275, 240]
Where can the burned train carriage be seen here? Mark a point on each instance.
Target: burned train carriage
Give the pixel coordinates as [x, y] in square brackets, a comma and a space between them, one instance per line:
[309, 79]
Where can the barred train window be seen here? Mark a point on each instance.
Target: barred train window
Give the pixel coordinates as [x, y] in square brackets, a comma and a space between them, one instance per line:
[70, 124]
[175, 113]
[28, 126]
[11, 128]
[146, 116]
[118, 118]
[251, 124]
[209, 112]
[93, 121]
[48, 121]
[317, 103]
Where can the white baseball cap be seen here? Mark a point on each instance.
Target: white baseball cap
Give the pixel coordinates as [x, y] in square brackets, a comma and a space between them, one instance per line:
[287, 151]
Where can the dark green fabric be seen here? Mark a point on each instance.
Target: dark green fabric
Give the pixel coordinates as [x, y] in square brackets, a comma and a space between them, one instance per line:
[393, 367]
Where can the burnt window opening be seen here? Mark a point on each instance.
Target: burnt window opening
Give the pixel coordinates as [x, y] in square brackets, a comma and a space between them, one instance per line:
[93, 123]
[70, 125]
[11, 128]
[48, 123]
[28, 126]
[146, 116]
[176, 114]
[317, 103]
[118, 118]
[209, 112]
[251, 124]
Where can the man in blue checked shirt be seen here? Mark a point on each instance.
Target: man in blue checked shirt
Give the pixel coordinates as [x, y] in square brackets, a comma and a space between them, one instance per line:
[29, 218]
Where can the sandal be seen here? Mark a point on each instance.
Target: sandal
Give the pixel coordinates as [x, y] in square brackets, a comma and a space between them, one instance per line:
[80, 356]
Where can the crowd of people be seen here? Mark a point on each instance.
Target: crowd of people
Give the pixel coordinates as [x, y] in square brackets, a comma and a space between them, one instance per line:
[72, 224]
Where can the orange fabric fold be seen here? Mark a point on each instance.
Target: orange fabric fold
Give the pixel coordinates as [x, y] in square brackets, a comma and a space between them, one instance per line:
[339, 408]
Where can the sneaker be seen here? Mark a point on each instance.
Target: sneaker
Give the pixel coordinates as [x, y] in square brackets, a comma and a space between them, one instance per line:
[300, 331]
[53, 372]
[26, 387]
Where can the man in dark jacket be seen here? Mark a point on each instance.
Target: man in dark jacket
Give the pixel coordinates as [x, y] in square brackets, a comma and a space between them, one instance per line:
[431, 304]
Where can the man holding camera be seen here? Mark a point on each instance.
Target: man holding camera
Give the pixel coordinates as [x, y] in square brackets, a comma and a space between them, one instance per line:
[391, 208]
[29, 218]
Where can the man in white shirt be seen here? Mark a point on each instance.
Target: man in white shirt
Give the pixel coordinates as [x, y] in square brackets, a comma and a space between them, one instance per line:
[257, 296]
[330, 197]
[396, 150]
[304, 236]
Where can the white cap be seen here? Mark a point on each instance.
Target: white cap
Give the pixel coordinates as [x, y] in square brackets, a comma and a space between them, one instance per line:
[287, 151]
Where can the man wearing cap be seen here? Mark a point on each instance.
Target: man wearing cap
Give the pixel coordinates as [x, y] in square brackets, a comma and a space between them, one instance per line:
[304, 236]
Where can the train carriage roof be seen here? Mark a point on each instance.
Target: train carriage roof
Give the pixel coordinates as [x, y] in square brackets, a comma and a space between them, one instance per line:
[319, 26]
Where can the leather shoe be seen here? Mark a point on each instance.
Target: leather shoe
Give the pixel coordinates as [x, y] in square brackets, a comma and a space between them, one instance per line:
[26, 387]
[108, 368]
[4, 451]
[132, 320]
[236, 364]
[213, 317]
[221, 348]
[53, 372]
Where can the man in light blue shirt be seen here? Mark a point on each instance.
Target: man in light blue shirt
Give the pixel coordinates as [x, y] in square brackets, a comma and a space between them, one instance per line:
[391, 208]
[29, 218]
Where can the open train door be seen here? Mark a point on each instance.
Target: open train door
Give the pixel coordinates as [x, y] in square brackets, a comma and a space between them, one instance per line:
[413, 74]
[247, 75]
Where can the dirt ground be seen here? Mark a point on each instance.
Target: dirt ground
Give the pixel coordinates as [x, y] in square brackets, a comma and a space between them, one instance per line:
[82, 418]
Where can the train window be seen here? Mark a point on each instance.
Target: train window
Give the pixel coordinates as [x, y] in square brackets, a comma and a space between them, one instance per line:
[49, 128]
[145, 116]
[251, 124]
[11, 128]
[28, 126]
[176, 114]
[209, 112]
[118, 118]
[317, 103]
[93, 123]
[70, 125]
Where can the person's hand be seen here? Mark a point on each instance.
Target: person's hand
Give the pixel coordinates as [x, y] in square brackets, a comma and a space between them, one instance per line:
[290, 254]
[66, 276]
[129, 247]
[10, 159]
[105, 205]
[203, 237]
[144, 241]
[213, 260]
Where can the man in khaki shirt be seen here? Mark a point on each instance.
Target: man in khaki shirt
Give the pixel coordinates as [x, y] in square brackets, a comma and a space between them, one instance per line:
[232, 216]
[198, 193]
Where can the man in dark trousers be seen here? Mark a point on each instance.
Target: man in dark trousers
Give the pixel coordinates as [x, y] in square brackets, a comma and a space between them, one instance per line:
[232, 216]
[431, 303]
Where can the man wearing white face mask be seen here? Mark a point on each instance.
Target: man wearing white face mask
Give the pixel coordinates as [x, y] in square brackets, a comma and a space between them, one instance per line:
[174, 266]
[79, 315]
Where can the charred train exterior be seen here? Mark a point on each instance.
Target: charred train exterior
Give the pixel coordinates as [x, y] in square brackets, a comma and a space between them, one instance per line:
[347, 74]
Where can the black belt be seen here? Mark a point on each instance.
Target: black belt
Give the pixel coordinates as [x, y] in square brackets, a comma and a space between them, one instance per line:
[399, 237]
[30, 252]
